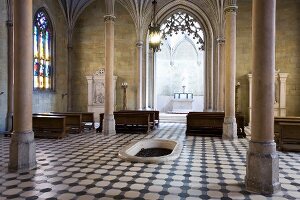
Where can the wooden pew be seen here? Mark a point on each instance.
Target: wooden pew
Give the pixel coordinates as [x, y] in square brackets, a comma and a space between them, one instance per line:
[128, 122]
[73, 121]
[87, 119]
[154, 115]
[278, 120]
[287, 133]
[49, 126]
[289, 136]
[211, 124]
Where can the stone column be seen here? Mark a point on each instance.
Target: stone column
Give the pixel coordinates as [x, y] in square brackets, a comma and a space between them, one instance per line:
[208, 104]
[70, 58]
[282, 93]
[10, 67]
[154, 81]
[250, 98]
[221, 66]
[22, 146]
[151, 78]
[139, 46]
[262, 171]
[229, 126]
[109, 121]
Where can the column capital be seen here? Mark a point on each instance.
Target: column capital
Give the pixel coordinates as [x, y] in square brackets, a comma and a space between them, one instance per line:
[230, 6]
[221, 40]
[139, 43]
[109, 18]
[230, 9]
[283, 75]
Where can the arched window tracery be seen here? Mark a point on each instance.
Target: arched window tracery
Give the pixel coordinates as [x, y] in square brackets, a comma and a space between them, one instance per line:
[185, 24]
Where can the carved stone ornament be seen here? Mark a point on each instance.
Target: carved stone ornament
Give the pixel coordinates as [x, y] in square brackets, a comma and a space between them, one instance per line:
[100, 72]
[98, 97]
[109, 18]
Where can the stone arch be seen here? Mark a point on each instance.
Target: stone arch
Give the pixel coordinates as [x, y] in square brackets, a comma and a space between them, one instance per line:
[210, 32]
[183, 40]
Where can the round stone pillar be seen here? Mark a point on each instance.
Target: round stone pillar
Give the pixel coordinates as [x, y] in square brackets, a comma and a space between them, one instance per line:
[10, 73]
[139, 103]
[229, 125]
[262, 160]
[109, 121]
[22, 147]
[221, 66]
[70, 58]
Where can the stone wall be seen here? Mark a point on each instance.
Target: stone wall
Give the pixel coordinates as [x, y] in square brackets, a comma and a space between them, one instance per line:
[42, 101]
[3, 65]
[287, 50]
[89, 53]
[53, 101]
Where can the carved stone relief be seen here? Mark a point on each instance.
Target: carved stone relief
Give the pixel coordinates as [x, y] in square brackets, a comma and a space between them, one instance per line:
[96, 92]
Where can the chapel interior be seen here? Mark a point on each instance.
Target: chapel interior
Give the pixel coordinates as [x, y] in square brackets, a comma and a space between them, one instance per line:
[86, 86]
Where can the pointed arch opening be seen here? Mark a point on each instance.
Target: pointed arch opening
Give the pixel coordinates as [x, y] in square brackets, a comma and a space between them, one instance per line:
[179, 64]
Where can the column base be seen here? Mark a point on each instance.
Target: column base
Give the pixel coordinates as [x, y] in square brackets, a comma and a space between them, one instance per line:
[262, 170]
[109, 125]
[229, 129]
[22, 152]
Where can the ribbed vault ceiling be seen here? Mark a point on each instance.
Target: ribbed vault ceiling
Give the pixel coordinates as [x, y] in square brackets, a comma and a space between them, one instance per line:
[72, 9]
[140, 10]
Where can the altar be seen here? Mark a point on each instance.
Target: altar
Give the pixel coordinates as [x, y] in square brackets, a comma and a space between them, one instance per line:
[182, 103]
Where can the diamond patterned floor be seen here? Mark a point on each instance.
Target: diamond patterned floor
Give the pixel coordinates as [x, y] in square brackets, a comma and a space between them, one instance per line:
[86, 167]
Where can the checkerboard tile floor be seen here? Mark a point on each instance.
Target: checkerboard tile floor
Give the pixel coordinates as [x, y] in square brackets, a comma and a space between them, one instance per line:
[86, 166]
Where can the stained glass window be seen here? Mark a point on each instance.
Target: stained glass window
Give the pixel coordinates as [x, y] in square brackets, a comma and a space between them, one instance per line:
[42, 51]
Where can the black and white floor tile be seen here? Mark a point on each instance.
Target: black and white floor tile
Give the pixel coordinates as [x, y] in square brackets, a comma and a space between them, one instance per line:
[86, 166]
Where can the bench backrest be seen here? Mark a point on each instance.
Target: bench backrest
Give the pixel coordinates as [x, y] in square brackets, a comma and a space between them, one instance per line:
[289, 119]
[51, 122]
[129, 118]
[85, 116]
[135, 112]
[71, 119]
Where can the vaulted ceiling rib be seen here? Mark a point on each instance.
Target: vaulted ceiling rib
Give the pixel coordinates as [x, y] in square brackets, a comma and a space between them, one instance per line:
[72, 9]
[141, 11]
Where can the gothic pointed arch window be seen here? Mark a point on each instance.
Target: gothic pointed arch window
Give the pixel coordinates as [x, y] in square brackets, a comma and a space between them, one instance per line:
[42, 51]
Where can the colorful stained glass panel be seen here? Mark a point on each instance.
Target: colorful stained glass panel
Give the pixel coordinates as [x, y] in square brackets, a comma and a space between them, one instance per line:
[42, 68]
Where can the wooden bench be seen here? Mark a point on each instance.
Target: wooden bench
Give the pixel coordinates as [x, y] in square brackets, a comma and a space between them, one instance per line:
[211, 124]
[87, 119]
[289, 136]
[278, 120]
[129, 122]
[73, 121]
[49, 126]
[154, 115]
[287, 133]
